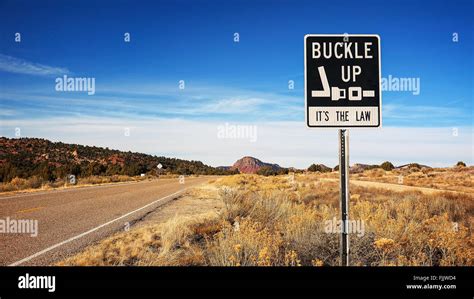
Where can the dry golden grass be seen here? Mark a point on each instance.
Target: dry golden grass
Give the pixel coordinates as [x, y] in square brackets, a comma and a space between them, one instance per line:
[459, 179]
[170, 243]
[21, 184]
[280, 221]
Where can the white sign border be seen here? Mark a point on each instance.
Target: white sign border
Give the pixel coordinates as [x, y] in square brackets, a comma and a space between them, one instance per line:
[380, 83]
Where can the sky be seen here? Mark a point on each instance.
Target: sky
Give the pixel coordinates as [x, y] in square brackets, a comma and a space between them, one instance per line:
[140, 104]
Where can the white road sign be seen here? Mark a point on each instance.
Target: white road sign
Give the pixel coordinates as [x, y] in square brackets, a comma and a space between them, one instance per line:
[342, 81]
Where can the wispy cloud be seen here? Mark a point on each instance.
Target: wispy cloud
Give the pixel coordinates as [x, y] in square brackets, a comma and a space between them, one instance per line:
[234, 105]
[414, 112]
[7, 112]
[202, 103]
[426, 114]
[20, 66]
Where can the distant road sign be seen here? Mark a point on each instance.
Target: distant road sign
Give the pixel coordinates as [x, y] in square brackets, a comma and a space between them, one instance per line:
[159, 166]
[342, 81]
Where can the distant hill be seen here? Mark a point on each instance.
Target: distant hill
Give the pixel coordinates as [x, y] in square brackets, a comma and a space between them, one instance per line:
[412, 165]
[253, 165]
[319, 167]
[27, 157]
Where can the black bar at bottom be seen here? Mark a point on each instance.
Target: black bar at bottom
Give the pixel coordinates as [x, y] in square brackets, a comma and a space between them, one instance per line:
[245, 282]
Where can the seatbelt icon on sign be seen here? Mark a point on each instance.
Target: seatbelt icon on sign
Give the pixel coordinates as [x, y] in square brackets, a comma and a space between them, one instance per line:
[336, 93]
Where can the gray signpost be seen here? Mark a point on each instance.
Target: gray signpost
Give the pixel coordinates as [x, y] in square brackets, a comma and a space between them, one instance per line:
[342, 90]
[344, 182]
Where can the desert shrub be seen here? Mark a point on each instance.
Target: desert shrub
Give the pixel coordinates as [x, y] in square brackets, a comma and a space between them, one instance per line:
[387, 166]
[269, 210]
[461, 164]
[362, 251]
[248, 244]
[236, 204]
[17, 184]
[303, 232]
[35, 182]
[267, 171]
[260, 207]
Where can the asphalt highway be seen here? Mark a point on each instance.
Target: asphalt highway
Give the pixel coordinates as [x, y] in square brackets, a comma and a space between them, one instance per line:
[69, 220]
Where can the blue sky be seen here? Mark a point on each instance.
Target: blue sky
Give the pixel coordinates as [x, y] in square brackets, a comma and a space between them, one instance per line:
[244, 82]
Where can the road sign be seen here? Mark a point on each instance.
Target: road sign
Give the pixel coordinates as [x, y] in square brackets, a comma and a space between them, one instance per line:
[342, 81]
[159, 166]
[342, 90]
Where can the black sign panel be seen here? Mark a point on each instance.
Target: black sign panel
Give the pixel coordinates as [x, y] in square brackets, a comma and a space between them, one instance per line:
[342, 81]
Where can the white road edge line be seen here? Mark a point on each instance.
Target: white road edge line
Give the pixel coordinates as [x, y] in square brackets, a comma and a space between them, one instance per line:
[90, 231]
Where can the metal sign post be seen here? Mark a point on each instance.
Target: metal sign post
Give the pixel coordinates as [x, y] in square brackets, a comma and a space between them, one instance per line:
[344, 181]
